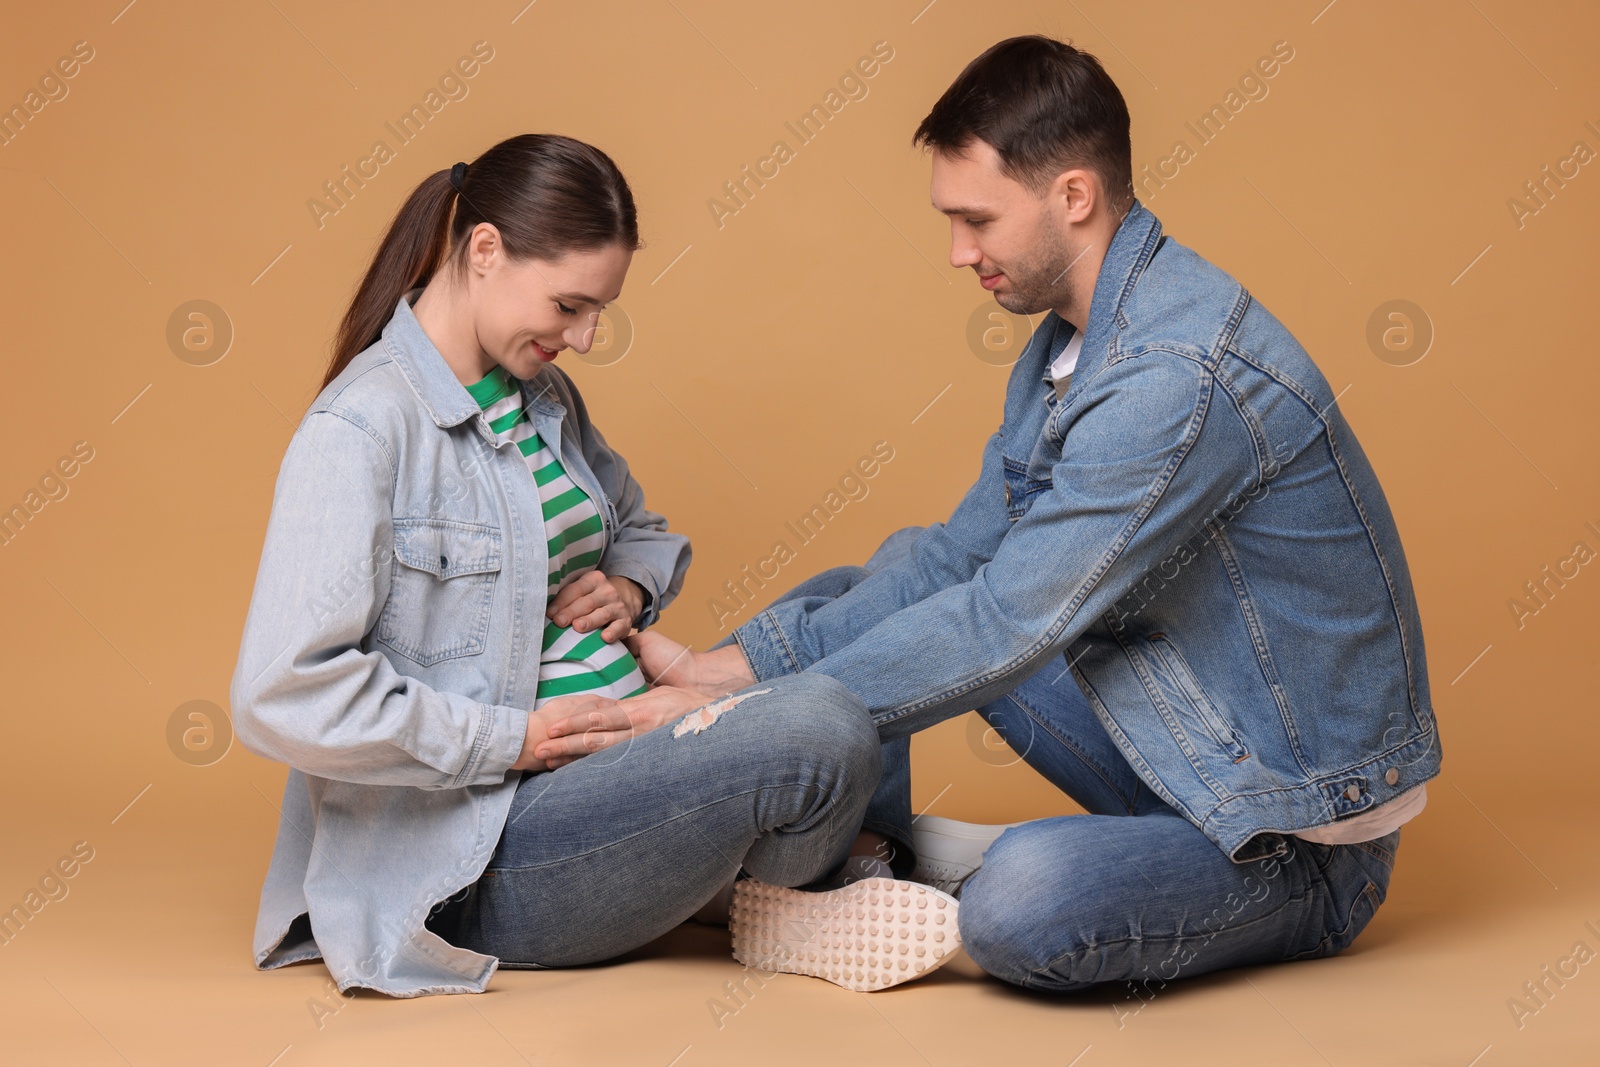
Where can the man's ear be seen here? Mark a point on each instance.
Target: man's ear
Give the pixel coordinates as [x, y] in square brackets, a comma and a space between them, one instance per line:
[1076, 192]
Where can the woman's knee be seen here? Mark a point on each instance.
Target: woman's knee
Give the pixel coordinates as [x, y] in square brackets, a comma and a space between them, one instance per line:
[814, 714]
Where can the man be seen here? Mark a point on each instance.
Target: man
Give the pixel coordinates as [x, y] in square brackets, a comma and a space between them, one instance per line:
[1175, 588]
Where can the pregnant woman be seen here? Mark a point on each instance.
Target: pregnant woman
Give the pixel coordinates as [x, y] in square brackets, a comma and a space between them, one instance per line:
[433, 644]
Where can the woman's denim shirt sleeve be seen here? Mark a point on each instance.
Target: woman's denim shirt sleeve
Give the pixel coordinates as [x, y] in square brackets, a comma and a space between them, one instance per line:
[304, 692]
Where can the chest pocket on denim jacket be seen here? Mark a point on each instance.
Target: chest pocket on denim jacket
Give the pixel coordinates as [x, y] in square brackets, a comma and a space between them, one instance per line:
[1020, 490]
[440, 590]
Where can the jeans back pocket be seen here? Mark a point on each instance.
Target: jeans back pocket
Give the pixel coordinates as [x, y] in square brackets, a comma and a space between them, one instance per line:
[1356, 877]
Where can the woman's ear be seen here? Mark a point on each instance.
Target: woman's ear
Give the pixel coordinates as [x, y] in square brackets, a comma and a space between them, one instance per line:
[484, 248]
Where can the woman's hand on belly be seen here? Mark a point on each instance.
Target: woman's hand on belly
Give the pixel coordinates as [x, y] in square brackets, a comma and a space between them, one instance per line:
[593, 601]
[582, 730]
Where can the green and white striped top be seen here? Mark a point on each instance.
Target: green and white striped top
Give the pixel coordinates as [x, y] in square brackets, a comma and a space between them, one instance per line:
[569, 661]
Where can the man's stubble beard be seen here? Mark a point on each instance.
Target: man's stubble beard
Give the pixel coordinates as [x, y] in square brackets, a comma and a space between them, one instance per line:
[1043, 281]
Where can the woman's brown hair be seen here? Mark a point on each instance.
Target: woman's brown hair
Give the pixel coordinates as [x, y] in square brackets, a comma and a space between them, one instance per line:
[547, 195]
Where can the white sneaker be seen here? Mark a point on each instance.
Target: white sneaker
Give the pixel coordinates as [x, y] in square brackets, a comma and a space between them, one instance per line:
[865, 936]
[949, 852]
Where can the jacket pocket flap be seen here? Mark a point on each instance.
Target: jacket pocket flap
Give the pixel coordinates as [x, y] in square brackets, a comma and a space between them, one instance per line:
[445, 548]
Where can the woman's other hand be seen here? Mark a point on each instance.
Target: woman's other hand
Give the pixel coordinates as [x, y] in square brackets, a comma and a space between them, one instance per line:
[583, 730]
[593, 601]
[541, 719]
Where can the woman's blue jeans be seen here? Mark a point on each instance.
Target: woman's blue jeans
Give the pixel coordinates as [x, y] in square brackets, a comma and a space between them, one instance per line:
[1132, 891]
[608, 853]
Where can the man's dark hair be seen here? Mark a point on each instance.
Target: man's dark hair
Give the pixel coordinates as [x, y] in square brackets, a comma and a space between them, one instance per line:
[1045, 107]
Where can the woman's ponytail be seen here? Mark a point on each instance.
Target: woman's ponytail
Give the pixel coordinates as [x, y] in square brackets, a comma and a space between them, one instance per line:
[546, 194]
[410, 253]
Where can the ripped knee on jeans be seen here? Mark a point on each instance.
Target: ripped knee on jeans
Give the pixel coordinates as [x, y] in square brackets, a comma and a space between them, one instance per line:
[700, 719]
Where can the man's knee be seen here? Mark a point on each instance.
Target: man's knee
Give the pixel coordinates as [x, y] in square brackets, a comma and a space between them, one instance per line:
[893, 547]
[1009, 913]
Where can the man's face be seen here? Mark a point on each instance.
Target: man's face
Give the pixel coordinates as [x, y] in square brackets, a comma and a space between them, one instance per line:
[1016, 240]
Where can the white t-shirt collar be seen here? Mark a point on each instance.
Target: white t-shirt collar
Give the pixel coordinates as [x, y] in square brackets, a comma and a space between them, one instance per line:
[1068, 359]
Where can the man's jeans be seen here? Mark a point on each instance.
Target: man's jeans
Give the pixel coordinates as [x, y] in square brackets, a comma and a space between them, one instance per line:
[611, 851]
[1132, 891]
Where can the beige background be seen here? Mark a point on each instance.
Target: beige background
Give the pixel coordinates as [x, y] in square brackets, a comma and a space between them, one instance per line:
[768, 354]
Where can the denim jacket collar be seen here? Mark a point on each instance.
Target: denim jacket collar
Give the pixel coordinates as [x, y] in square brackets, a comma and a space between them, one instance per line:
[447, 401]
[1132, 245]
[443, 396]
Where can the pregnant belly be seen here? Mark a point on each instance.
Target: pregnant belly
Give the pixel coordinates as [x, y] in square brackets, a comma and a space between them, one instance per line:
[572, 662]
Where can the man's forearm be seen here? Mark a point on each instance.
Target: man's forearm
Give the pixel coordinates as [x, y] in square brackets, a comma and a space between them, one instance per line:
[723, 670]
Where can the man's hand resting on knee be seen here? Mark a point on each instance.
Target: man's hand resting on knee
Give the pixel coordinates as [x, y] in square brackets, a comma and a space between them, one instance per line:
[666, 662]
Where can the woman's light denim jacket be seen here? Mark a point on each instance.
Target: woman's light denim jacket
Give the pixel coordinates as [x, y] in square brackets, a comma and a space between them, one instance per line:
[1193, 532]
[391, 650]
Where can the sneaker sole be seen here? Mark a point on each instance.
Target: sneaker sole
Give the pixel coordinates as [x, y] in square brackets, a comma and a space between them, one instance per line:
[869, 935]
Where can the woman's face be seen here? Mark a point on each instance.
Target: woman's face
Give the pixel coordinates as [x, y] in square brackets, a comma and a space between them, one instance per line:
[528, 311]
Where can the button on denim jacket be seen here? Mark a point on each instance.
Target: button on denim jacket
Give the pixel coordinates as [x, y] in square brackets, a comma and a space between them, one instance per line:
[1194, 533]
[391, 650]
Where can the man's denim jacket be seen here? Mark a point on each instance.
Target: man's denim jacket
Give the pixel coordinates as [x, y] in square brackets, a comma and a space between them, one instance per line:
[1193, 532]
[391, 650]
